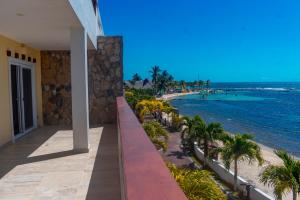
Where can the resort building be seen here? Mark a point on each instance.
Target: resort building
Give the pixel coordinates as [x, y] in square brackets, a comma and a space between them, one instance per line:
[66, 132]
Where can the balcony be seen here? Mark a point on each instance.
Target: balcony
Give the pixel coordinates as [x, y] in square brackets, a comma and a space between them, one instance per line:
[43, 165]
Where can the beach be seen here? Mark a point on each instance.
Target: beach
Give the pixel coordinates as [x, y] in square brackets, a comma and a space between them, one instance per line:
[250, 172]
[264, 111]
[174, 95]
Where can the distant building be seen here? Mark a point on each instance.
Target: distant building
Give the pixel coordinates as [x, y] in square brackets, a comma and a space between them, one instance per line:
[139, 84]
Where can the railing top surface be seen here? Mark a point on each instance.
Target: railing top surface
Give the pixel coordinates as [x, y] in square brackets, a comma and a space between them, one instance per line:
[144, 171]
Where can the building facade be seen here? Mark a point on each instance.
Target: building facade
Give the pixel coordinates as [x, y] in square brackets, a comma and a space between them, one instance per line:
[57, 67]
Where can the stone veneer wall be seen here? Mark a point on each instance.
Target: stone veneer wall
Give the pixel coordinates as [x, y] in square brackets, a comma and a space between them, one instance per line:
[105, 70]
[56, 87]
[105, 79]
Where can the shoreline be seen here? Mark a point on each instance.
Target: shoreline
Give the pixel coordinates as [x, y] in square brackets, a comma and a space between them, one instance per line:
[250, 172]
[174, 95]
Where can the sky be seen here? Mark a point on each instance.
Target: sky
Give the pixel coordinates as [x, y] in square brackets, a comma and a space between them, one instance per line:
[224, 41]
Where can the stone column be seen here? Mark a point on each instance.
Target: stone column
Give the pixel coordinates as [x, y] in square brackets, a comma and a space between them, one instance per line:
[79, 85]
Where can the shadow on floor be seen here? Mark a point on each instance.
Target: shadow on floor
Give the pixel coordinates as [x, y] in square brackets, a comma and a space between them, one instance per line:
[177, 154]
[105, 174]
[12, 155]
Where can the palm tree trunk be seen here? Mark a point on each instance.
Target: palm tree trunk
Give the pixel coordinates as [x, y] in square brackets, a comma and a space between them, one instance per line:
[205, 148]
[235, 174]
[295, 194]
[205, 151]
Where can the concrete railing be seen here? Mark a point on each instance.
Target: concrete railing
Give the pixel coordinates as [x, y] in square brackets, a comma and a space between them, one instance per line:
[144, 174]
[228, 176]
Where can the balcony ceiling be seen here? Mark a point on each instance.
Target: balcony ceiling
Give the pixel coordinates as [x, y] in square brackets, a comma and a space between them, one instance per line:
[41, 24]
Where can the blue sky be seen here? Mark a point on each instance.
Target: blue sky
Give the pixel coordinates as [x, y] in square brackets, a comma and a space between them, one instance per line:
[230, 41]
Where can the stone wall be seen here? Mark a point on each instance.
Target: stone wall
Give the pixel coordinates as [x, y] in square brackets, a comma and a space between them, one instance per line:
[105, 69]
[105, 79]
[56, 87]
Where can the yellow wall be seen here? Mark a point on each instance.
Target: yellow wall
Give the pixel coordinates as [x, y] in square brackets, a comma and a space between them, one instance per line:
[5, 109]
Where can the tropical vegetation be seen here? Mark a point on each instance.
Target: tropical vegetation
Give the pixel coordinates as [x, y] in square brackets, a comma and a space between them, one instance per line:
[240, 147]
[207, 134]
[133, 96]
[136, 77]
[157, 134]
[196, 184]
[196, 130]
[284, 178]
[163, 82]
[188, 136]
[155, 73]
[234, 148]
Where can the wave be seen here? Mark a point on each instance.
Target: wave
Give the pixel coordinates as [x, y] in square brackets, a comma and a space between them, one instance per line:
[264, 88]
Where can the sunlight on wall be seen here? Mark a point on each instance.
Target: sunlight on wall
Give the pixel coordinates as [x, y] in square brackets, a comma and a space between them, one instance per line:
[5, 109]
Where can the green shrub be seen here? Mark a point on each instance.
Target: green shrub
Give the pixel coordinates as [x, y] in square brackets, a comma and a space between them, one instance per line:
[196, 184]
[157, 134]
[133, 96]
[176, 121]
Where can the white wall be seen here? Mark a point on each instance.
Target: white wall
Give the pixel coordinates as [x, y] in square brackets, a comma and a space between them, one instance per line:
[89, 20]
[228, 176]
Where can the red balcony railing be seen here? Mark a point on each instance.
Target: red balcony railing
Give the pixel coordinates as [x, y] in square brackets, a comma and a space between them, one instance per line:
[144, 174]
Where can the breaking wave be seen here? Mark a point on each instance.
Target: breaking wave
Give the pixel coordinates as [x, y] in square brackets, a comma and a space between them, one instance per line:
[264, 88]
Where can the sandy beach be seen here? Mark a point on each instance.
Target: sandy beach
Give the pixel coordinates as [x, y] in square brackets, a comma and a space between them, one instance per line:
[174, 95]
[250, 172]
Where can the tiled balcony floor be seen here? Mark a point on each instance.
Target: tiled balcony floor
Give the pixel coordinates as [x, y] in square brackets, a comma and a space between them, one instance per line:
[42, 165]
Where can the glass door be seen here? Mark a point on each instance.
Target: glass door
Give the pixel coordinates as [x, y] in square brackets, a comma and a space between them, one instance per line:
[27, 98]
[15, 98]
[21, 98]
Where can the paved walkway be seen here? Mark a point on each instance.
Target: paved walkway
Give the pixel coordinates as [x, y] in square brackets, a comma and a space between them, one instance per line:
[174, 154]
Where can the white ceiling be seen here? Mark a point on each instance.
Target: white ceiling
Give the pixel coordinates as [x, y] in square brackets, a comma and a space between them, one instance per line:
[41, 24]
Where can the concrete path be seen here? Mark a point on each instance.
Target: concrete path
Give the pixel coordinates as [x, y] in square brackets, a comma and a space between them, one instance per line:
[174, 154]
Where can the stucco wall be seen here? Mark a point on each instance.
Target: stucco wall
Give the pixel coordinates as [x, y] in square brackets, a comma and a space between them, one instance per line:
[5, 108]
[105, 67]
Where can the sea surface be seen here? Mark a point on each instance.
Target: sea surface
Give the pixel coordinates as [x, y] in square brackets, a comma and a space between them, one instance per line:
[269, 111]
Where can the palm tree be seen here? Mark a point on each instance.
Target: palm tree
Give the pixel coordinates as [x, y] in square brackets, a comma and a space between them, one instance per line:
[145, 82]
[240, 147]
[182, 85]
[188, 130]
[155, 72]
[284, 178]
[208, 134]
[136, 77]
[170, 82]
[164, 80]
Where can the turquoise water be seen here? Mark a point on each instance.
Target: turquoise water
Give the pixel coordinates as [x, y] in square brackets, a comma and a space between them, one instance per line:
[225, 97]
[270, 111]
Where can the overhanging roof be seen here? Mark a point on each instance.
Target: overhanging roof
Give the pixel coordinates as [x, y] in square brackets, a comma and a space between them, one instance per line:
[41, 24]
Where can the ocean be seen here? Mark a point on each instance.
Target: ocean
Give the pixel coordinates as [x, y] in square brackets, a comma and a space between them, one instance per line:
[269, 111]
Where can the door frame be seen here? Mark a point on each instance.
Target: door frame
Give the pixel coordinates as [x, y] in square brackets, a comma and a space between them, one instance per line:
[28, 65]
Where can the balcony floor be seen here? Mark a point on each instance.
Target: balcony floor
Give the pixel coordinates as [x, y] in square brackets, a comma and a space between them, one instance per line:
[42, 165]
